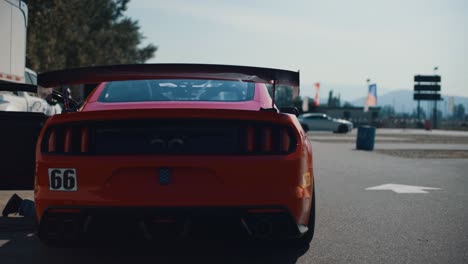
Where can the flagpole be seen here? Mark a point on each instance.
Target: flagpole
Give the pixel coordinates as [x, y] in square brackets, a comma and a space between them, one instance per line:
[435, 101]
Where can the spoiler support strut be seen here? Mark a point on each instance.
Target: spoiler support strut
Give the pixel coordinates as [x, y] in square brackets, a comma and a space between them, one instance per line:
[66, 98]
[273, 93]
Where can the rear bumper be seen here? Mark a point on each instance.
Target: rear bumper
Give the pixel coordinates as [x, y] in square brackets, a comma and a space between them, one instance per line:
[156, 223]
[209, 181]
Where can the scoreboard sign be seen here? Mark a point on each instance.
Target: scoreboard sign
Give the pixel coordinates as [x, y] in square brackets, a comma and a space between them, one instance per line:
[427, 87]
[427, 97]
[427, 78]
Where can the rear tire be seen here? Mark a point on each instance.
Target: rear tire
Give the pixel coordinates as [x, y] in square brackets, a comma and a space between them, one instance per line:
[305, 127]
[58, 232]
[342, 129]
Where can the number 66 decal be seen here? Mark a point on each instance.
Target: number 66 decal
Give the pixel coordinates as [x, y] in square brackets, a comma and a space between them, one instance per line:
[62, 179]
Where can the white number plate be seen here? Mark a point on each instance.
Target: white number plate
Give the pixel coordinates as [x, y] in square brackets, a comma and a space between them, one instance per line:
[61, 179]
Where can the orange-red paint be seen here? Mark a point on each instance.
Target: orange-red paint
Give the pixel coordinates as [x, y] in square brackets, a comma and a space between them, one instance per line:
[199, 180]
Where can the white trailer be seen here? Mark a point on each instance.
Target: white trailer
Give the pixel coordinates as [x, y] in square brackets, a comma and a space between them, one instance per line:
[13, 29]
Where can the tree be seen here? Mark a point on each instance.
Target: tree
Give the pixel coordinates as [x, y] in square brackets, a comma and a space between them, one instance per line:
[75, 33]
[422, 113]
[297, 102]
[387, 111]
[333, 101]
[283, 95]
[348, 104]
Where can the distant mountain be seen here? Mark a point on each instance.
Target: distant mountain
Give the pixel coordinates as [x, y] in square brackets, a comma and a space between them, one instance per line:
[402, 101]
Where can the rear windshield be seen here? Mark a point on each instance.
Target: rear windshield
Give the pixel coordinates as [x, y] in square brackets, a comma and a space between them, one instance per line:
[177, 90]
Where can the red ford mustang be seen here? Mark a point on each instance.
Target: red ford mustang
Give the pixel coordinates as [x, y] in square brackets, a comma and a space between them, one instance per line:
[174, 150]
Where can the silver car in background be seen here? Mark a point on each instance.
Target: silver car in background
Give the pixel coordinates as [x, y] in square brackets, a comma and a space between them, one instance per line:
[322, 122]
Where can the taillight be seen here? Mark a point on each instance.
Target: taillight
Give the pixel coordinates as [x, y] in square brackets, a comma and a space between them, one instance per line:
[267, 144]
[51, 146]
[250, 139]
[71, 139]
[84, 139]
[269, 139]
[68, 140]
[285, 140]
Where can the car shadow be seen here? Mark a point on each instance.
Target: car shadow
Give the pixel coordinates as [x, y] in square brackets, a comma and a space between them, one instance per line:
[17, 224]
[20, 244]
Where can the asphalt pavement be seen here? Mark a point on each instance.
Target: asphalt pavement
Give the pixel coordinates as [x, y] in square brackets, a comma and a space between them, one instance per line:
[356, 225]
[395, 222]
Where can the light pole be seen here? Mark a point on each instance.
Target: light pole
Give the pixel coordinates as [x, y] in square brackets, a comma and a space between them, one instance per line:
[436, 101]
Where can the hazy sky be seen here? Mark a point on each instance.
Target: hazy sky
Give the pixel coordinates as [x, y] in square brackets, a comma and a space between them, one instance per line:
[339, 43]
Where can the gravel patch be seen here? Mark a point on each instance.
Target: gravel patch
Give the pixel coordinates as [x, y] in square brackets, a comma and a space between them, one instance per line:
[437, 139]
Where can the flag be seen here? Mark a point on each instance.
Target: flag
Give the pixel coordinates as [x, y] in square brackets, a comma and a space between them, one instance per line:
[371, 97]
[451, 105]
[317, 94]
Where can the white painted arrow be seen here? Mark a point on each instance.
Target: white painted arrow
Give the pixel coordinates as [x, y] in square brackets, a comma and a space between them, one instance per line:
[400, 188]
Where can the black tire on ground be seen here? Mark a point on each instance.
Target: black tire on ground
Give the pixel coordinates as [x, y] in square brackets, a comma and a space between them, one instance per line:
[48, 242]
[342, 129]
[305, 127]
[60, 242]
[59, 239]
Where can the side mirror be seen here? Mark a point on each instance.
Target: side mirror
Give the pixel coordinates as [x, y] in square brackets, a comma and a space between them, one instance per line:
[290, 110]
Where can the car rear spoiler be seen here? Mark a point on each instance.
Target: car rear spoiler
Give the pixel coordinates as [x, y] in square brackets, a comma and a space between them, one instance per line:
[99, 74]
[18, 87]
